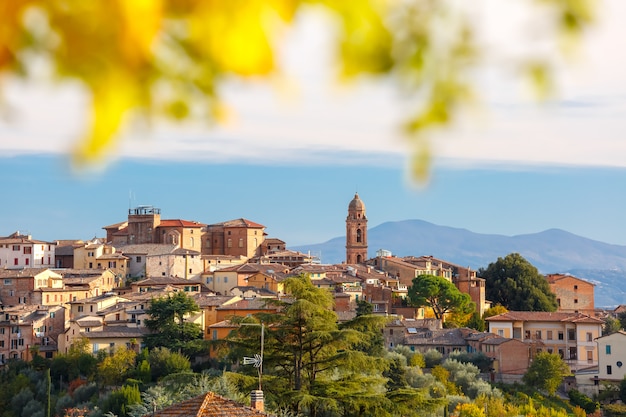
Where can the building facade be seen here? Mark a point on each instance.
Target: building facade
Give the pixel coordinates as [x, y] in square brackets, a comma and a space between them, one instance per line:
[356, 232]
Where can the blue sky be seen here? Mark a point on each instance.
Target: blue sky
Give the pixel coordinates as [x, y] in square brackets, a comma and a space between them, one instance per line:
[293, 161]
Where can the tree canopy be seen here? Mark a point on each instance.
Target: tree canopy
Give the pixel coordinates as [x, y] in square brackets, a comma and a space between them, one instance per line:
[515, 283]
[171, 58]
[311, 365]
[168, 325]
[439, 294]
[546, 372]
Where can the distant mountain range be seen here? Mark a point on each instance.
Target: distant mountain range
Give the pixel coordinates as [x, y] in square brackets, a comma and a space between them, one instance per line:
[551, 251]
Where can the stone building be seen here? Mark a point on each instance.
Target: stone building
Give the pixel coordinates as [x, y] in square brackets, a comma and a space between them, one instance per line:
[356, 232]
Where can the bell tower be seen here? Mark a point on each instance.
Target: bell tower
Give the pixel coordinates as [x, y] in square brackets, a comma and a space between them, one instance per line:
[356, 232]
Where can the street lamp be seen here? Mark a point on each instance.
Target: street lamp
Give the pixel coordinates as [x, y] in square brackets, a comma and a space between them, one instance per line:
[257, 360]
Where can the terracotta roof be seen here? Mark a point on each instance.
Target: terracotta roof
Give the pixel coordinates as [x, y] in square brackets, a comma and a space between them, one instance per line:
[22, 272]
[554, 278]
[180, 223]
[116, 225]
[544, 316]
[240, 223]
[207, 405]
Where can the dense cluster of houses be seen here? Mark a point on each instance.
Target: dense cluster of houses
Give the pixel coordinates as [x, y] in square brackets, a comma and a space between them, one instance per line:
[53, 293]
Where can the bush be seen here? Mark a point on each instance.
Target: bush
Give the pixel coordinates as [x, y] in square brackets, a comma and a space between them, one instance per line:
[614, 410]
[578, 398]
[432, 358]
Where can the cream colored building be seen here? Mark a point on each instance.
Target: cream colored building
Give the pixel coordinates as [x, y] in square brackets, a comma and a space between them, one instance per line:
[570, 335]
[96, 254]
[181, 263]
[612, 357]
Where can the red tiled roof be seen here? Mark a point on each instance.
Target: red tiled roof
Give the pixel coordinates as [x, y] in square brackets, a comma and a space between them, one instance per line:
[180, 223]
[544, 316]
[241, 223]
[208, 405]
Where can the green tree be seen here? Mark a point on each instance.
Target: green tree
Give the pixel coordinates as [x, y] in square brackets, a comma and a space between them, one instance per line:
[364, 308]
[476, 322]
[310, 364]
[120, 400]
[115, 368]
[164, 362]
[546, 372]
[168, 325]
[517, 285]
[611, 325]
[494, 311]
[439, 294]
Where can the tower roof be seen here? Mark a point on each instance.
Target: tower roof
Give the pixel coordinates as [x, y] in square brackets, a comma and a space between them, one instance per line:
[356, 203]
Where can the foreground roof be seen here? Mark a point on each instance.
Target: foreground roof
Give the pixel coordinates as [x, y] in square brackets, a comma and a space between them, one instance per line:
[207, 405]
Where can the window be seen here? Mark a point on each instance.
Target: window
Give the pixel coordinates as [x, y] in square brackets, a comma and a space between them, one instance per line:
[8, 282]
[15, 261]
[28, 250]
[96, 347]
[26, 261]
[501, 332]
[90, 265]
[589, 337]
[608, 349]
[16, 248]
[52, 314]
[112, 264]
[230, 243]
[138, 259]
[589, 356]
[527, 334]
[573, 353]
[90, 254]
[575, 300]
[571, 334]
[538, 335]
[80, 309]
[609, 369]
[214, 334]
[549, 335]
[241, 242]
[575, 287]
[560, 335]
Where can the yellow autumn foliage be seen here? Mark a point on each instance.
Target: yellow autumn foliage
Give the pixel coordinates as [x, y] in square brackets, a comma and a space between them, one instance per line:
[165, 57]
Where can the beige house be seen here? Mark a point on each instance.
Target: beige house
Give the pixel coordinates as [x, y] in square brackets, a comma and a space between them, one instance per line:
[570, 335]
[28, 329]
[19, 285]
[97, 254]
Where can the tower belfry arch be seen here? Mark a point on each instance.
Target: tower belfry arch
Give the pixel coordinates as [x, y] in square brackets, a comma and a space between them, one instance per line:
[356, 232]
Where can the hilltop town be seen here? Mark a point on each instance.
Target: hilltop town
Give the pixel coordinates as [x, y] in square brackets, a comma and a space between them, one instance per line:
[99, 290]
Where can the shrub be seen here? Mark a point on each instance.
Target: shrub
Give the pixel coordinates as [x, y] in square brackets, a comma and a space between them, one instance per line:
[578, 398]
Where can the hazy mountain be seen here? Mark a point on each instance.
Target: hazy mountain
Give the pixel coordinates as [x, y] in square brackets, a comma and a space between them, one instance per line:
[551, 251]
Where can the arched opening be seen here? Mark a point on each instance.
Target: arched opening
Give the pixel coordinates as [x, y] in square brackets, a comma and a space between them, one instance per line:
[359, 236]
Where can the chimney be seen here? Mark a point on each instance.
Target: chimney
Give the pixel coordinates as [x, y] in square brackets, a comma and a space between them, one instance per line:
[256, 400]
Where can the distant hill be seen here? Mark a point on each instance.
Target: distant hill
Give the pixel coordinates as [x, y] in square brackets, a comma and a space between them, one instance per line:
[551, 251]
